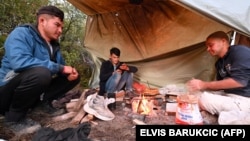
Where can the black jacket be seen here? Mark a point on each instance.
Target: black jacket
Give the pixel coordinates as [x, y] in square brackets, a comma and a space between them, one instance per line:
[106, 71]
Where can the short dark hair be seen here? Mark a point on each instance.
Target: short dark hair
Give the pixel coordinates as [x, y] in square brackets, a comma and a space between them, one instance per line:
[219, 35]
[51, 10]
[115, 50]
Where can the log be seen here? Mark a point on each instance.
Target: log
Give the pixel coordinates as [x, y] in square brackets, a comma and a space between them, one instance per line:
[81, 101]
[77, 119]
[120, 94]
[70, 106]
[138, 122]
[90, 117]
[74, 100]
[138, 116]
[64, 116]
[93, 122]
[87, 118]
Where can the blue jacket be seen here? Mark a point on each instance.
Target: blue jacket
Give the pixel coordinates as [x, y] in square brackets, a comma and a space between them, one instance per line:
[24, 49]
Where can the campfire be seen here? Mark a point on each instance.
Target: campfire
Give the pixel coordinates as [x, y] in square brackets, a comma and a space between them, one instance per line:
[146, 105]
[142, 105]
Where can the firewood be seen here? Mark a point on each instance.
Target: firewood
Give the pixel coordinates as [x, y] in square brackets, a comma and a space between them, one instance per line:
[93, 122]
[64, 116]
[138, 116]
[138, 122]
[90, 117]
[77, 119]
[84, 119]
[70, 106]
[120, 94]
[81, 101]
[74, 100]
[87, 118]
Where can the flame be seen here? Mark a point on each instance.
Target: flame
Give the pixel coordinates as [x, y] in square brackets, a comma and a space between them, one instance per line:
[142, 105]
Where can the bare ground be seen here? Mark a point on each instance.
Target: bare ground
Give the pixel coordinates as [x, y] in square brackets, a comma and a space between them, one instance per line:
[121, 128]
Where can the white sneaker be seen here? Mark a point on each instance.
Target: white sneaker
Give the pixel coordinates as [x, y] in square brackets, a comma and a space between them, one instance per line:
[97, 106]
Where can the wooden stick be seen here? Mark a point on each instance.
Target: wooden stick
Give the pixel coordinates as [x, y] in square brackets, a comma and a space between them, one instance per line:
[70, 105]
[90, 117]
[84, 119]
[64, 116]
[77, 119]
[87, 118]
[93, 122]
[81, 101]
[138, 122]
[74, 100]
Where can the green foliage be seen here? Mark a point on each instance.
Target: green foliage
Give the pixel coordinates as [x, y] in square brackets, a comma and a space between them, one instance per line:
[2, 39]
[15, 12]
[72, 40]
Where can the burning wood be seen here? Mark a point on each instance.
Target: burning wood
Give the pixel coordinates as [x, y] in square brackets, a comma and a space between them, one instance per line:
[142, 105]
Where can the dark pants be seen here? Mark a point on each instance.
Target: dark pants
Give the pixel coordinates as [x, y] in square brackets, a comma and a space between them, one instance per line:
[23, 91]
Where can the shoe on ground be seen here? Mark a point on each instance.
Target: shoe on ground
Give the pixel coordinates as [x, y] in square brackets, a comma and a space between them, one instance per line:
[50, 110]
[111, 105]
[25, 126]
[97, 106]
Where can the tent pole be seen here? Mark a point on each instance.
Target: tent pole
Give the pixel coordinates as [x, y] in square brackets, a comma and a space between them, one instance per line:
[232, 38]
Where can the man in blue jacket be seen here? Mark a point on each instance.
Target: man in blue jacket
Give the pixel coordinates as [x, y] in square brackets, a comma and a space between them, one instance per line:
[32, 69]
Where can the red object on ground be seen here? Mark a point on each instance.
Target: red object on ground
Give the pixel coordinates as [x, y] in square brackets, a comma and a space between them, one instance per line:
[140, 88]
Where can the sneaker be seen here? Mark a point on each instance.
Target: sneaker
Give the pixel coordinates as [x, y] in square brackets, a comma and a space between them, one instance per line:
[97, 106]
[48, 109]
[111, 106]
[25, 126]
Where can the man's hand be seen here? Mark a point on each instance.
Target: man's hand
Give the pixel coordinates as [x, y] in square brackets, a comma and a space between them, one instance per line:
[124, 67]
[195, 85]
[72, 72]
[118, 70]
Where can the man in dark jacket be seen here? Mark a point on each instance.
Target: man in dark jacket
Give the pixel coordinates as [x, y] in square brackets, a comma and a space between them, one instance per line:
[228, 96]
[32, 69]
[114, 76]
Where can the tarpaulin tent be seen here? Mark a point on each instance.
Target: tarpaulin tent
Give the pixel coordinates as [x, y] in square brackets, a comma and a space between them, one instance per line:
[163, 38]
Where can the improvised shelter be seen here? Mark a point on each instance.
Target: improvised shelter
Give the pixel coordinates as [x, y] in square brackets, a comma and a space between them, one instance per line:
[163, 38]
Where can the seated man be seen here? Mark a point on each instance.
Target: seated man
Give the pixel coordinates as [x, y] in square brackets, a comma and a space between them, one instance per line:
[114, 76]
[33, 69]
[231, 91]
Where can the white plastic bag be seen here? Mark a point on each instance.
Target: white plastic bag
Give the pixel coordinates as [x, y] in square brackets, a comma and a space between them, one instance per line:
[187, 111]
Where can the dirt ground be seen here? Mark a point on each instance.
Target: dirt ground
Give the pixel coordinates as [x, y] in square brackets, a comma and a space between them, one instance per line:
[121, 128]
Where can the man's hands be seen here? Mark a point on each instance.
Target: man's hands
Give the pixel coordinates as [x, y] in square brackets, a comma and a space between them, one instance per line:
[228, 83]
[195, 85]
[71, 71]
[123, 67]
